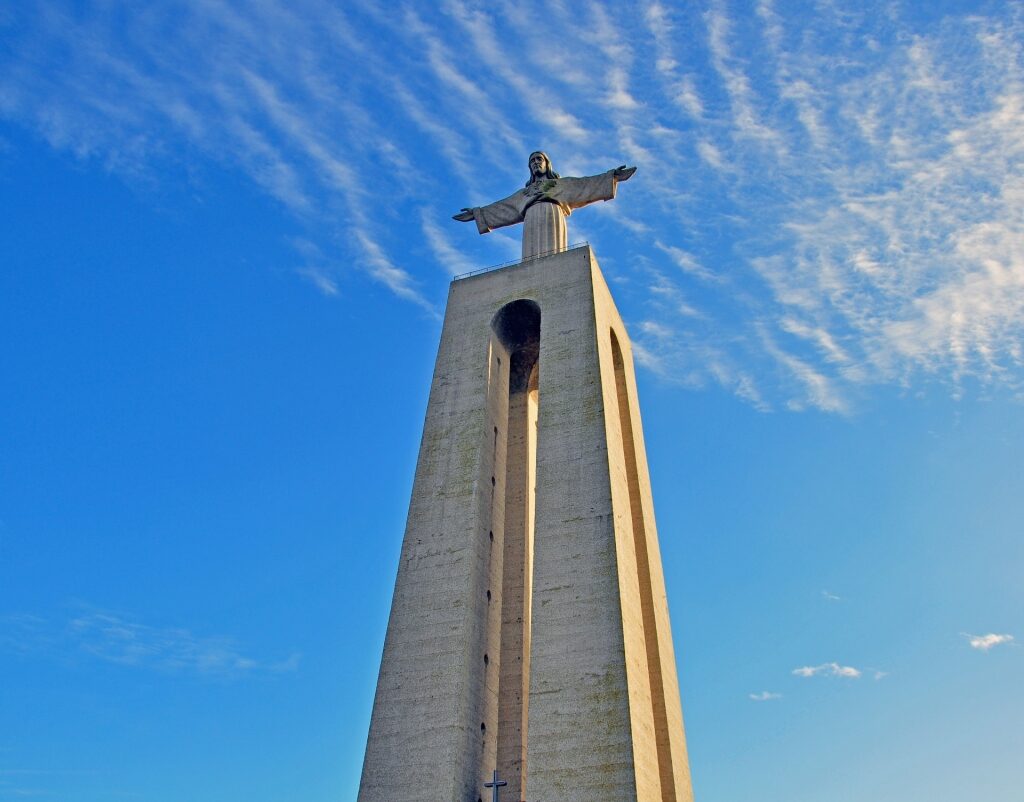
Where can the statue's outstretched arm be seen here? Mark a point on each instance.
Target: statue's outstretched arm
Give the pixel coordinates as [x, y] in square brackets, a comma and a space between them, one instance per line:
[505, 212]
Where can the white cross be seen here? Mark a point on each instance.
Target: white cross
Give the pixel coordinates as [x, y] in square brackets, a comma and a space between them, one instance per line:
[494, 785]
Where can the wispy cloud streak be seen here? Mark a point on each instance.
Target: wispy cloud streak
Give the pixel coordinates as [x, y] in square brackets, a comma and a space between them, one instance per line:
[116, 638]
[764, 696]
[829, 201]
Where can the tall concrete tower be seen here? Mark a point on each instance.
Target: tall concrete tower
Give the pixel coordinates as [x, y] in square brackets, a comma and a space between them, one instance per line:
[529, 631]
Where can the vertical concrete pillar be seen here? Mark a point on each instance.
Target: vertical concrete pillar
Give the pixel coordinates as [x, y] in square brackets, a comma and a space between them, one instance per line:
[529, 630]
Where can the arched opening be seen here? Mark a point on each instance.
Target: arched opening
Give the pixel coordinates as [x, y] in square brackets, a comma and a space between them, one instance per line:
[515, 400]
[517, 325]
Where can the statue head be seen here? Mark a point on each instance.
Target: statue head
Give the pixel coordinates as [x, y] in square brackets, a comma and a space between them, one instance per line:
[540, 167]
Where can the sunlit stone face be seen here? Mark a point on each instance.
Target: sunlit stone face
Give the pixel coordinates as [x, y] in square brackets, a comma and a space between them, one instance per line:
[538, 164]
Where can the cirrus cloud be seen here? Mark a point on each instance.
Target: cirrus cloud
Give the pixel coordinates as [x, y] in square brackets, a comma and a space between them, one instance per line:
[827, 201]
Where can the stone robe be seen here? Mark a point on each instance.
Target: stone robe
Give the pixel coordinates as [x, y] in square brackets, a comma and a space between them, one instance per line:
[542, 207]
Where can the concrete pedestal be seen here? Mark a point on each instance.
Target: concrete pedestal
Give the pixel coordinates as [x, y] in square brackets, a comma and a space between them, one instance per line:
[529, 630]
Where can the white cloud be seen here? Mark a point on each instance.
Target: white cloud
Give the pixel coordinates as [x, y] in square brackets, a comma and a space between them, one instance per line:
[446, 254]
[888, 232]
[687, 262]
[765, 696]
[918, 259]
[543, 106]
[315, 269]
[830, 596]
[688, 98]
[259, 107]
[492, 127]
[649, 360]
[22, 633]
[118, 639]
[819, 390]
[985, 642]
[850, 208]
[384, 270]
[618, 96]
[746, 118]
[817, 335]
[656, 330]
[319, 278]
[827, 670]
[710, 153]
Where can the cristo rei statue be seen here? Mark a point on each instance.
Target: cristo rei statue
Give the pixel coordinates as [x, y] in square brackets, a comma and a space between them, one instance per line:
[544, 203]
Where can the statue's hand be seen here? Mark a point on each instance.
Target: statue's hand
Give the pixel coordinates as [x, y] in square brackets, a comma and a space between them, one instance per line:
[464, 216]
[624, 173]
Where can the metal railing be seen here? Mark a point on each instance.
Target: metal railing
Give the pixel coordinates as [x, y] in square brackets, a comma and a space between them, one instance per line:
[482, 270]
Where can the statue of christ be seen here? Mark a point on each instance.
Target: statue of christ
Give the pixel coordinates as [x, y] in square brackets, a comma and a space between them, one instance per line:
[544, 203]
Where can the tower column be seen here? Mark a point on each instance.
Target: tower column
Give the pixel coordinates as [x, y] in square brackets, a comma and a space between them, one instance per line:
[529, 632]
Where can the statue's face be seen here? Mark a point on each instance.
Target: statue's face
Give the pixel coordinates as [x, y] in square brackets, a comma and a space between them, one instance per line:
[538, 164]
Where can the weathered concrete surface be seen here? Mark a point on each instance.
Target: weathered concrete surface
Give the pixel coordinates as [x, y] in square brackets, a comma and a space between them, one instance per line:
[591, 641]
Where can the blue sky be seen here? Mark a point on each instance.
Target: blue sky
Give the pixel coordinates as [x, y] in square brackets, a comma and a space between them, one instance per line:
[226, 248]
